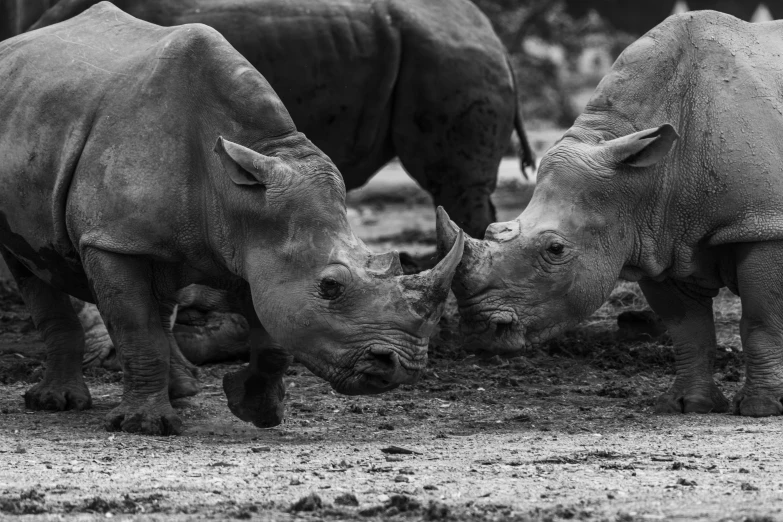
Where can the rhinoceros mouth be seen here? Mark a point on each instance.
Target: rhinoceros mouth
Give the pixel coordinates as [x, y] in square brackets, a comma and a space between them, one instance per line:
[486, 337]
[364, 384]
[380, 367]
[393, 364]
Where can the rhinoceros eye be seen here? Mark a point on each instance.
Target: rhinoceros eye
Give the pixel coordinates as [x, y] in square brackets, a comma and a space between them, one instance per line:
[556, 248]
[330, 289]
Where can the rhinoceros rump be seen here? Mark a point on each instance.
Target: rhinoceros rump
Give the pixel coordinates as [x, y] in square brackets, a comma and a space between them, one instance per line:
[618, 195]
[425, 80]
[117, 187]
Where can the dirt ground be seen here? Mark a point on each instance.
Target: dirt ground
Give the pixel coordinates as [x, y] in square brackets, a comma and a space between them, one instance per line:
[565, 433]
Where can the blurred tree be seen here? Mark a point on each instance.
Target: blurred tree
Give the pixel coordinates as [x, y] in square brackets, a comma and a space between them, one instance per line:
[549, 82]
[632, 16]
[743, 9]
[540, 73]
[775, 8]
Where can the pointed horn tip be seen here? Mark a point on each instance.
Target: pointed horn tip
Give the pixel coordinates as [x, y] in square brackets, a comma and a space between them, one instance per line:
[444, 223]
[454, 255]
[459, 243]
[218, 144]
[442, 218]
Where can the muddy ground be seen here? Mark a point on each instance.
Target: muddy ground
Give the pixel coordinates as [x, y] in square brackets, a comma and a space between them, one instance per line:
[565, 433]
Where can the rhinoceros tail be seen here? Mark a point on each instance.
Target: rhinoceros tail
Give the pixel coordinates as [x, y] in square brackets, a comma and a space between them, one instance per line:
[526, 157]
[61, 11]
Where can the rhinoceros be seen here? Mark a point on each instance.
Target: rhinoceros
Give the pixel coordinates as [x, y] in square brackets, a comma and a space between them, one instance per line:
[209, 327]
[136, 160]
[672, 177]
[425, 80]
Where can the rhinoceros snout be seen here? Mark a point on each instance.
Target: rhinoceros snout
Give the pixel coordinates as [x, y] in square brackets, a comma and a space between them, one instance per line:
[498, 334]
[384, 368]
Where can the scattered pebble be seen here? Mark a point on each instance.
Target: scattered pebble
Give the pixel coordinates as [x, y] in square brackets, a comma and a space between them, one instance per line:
[437, 511]
[396, 450]
[371, 511]
[311, 502]
[346, 499]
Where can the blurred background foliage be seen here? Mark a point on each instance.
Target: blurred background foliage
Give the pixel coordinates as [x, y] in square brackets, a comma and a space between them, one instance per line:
[562, 48]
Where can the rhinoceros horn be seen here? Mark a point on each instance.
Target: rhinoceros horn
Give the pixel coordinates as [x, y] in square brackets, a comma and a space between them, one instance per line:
[427, 291]
[473, 257]
[386, 264]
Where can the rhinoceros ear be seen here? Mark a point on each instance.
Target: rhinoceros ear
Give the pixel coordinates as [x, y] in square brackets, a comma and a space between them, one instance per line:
[643, 148]
[248, 167]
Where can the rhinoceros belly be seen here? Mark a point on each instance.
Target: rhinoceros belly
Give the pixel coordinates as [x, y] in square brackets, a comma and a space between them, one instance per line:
[60, 269]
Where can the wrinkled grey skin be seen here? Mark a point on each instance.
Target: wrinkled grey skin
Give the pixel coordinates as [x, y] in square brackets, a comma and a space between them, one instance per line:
[119, 185]
[425, 80]
[620, 195]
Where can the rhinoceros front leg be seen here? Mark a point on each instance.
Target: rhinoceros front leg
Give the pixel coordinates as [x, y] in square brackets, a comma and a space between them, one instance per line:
[760, 281]
[256, 392]
[687, 313]
[62, 387]
[134, 302]
[99, 349]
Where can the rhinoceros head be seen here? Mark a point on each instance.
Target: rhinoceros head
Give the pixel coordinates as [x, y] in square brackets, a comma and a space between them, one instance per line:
[350, 315]
[532, 277]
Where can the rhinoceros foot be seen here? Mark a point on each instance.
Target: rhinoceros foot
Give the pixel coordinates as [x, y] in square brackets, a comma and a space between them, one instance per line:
[758, 402]
[255, 397]
[692, 398]
[58, 396]
[142, 416]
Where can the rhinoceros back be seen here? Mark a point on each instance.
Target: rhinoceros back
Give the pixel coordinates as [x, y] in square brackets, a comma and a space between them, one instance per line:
[718, 81]
[107, 121]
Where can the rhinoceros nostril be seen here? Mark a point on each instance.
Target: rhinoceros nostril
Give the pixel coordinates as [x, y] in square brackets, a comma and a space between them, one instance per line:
[383, 362]
[502, 329]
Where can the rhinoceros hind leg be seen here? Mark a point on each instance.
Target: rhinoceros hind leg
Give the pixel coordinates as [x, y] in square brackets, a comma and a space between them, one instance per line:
[62, 386]
[256, 392]
[98, 348]
[135, 300]
[687, 313]
[183, 375]
[760, 284]
[450, 129]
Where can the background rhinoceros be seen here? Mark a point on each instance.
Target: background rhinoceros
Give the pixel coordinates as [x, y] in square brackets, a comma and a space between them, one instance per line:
[209, 327]
[118, 186]
[619, 196]
[427, 81]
